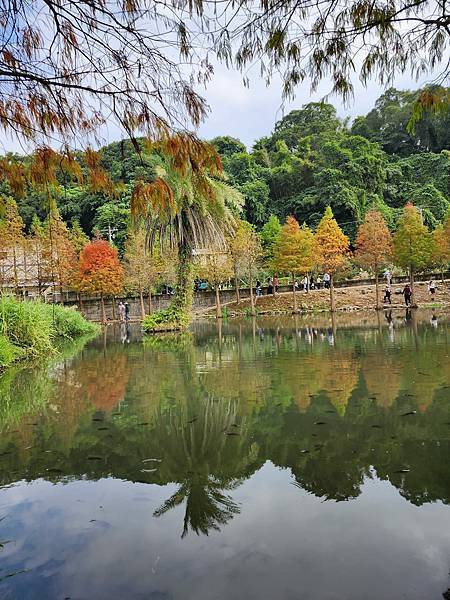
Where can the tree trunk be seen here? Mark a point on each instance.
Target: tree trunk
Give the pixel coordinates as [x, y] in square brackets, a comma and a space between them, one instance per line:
[102, 302]
[218, 307]
[294, 294]
[377, 292]
[332, 303]
[252, 298]
[16, 277]
[411, 284]
[141, 298]
[236, 287]
[180, 309]
[149, 302]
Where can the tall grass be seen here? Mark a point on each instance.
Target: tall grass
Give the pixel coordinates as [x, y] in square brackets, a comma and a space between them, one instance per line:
[30, 329]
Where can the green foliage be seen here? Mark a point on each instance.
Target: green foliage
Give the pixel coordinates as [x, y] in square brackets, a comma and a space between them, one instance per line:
[227, 145]
[33, 328]
[388, 124]
[8, 352]
[413, 243]
[270, 234]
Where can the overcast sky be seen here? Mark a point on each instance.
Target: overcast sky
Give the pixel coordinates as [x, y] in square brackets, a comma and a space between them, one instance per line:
[250, 113]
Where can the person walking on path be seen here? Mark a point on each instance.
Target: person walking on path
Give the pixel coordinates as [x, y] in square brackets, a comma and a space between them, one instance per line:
[258, 288]
[269, 286]
[311, 282]
[407, 294]
[387, 294]
[319, 282]
[275, 283]
[432, 287]
[305, 283]
[127, 311]
[326, 281]
[388, 276]
[121, 310]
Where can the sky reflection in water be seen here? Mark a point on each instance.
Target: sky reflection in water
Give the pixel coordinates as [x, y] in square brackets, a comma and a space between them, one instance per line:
[312, 462]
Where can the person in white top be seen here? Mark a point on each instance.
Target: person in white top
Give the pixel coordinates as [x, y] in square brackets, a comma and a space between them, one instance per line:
[432, 287]
[305, 283]
[326, 280]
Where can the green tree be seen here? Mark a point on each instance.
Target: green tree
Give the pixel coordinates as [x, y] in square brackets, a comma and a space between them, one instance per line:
[413, 244]
[227, 145]
[270, 234]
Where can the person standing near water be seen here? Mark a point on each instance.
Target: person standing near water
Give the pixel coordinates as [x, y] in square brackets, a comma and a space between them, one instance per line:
[432, 287]
[121, 311]
[269, 286]
[407, 294]
[275, 283]
[258, 288]
[387, 294]
[127, 311]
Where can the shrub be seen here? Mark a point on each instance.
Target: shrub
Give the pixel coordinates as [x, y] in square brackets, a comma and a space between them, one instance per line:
[8, 352]
[69, 323]
[27, 325]
[32, 327]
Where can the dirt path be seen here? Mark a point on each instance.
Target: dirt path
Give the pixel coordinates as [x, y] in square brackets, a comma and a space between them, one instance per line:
[347, 299]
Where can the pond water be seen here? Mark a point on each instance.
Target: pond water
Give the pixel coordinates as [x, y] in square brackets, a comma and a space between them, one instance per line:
[269, 459]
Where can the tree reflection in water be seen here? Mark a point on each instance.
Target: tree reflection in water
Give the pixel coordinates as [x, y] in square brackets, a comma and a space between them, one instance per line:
[213, 407]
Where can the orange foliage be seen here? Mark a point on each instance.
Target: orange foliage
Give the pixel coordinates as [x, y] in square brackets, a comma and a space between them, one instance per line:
[100, 271]
[373, 242]
[331, 245]
[293, 250]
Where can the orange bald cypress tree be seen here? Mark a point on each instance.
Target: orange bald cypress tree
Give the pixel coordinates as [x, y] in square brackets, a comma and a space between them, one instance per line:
[373, 245]
[331, 248]
[293, 251]
[100, 271]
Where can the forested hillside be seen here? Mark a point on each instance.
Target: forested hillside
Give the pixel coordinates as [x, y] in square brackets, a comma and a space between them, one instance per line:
[311, 160]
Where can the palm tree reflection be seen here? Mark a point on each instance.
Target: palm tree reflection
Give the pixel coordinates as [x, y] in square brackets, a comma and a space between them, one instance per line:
[203, 454]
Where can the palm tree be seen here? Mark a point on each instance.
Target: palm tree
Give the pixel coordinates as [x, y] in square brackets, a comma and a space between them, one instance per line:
[189, 206]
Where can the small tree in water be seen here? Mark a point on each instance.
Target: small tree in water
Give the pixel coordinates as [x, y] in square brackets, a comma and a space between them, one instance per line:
[373, 246]
[293, 252]
[100, 271]
[413, 244]
[331, 248]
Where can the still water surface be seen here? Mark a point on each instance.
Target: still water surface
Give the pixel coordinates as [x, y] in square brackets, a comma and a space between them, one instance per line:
[276, 459]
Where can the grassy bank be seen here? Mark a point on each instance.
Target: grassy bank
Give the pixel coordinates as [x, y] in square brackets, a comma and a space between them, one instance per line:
[33, 329]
